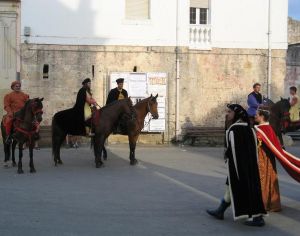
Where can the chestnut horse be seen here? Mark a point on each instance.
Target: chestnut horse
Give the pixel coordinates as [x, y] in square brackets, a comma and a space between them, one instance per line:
[133, 126]
[103, 122]
[25, 126]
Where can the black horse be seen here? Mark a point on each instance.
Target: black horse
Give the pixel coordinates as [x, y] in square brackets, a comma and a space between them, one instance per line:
[133, 126]
[279, 116]
[25, 125]
[103, 122]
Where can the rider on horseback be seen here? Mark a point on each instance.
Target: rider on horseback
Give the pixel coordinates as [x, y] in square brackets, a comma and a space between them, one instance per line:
[13, 102]
[83, 103]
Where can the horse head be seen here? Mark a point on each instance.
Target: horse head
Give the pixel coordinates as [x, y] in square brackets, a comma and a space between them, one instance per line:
[152, 106]
[281, 111]
[36, 107]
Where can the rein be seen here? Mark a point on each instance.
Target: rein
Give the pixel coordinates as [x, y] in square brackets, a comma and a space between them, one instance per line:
[34, 124]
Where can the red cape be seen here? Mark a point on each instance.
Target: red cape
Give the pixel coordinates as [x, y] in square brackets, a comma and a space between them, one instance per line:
[289, 162]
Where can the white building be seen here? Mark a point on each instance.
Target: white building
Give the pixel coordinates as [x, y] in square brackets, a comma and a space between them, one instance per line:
[211, 50]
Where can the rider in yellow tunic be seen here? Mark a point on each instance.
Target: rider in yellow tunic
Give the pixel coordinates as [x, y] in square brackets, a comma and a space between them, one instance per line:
[294, 101]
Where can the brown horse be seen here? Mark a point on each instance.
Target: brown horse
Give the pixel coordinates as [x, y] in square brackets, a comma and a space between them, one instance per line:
[133, 126]
[103, 121]
[25, 125]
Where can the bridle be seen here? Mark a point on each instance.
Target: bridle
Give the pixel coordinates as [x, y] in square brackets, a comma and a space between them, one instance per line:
[34, 124]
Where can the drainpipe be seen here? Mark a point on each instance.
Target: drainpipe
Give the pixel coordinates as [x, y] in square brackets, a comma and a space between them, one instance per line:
[269, 79]
[177, 128]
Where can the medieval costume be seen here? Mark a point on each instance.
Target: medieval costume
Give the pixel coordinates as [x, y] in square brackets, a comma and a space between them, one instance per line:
[254, 100]
[267, 171]
[294, 110]
[116, 93]
[289, 162]
[72, 120]
[243, 191]
[13, 102]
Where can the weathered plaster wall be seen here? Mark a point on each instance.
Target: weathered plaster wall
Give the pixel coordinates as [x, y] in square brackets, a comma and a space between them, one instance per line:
[208, 79]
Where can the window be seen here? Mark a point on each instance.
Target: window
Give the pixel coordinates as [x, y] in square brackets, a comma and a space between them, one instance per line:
[199, 12]
[137, 9]
[192, 15]
[203, 16]
[45, 71]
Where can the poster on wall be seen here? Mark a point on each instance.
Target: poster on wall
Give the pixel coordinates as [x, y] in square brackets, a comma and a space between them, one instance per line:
[140, 86]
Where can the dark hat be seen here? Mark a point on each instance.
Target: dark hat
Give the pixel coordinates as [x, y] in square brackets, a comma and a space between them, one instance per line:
[120, 80]
[87, 80]
[240, 112]
[14, 83]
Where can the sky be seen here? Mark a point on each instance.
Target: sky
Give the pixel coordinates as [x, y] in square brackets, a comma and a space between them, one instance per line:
[294, 9]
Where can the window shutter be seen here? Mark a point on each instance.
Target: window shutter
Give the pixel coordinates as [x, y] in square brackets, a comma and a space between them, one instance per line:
[199, 3]
[137, 9]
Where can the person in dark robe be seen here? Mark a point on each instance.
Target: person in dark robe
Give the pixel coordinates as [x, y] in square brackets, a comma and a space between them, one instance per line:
[243, 189]
[254, 100]
[74, 120]
[117, 93]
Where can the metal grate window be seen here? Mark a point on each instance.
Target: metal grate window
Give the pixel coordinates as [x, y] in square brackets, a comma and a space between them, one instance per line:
[137, 9]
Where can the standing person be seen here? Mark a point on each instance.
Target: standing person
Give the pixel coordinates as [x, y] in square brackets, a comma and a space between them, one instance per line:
[243, 184]
[13, 102]
[267, 164]
[83, 104]
[117, 93]
[294, 101]
[254, 100]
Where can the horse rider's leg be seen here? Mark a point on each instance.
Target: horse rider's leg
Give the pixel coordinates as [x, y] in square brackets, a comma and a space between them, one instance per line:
[13, 148]
[132, 145]
[31, 165]
[20, 171]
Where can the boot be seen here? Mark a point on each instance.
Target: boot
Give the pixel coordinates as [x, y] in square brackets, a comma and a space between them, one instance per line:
[219, 212]
[257, 221]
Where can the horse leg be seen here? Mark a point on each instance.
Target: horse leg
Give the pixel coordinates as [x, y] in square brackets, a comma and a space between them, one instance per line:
[132, 145]
[104, 153]
[13, 148]
[31, 165]
[98, 147]
[20, 171]
[56, 145]
[6, 153]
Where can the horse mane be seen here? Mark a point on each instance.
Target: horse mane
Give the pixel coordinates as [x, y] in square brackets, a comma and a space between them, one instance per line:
[113, 103]
[21, 112]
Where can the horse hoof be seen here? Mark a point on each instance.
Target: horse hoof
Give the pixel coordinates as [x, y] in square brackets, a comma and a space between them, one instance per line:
[133, 162]
[99, 164]
[32, 171]
[14, 164]
[5, 165]
[20, 172]
[105, 158]
[60, 162]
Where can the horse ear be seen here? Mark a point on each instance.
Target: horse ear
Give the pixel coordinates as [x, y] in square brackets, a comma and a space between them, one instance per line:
[41, 99]
[156, 96]
[281, 98]
[151, 95]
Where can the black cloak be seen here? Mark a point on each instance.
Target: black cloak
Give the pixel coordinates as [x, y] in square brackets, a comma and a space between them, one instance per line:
[114, 95]
[72, 120]
[244, 181]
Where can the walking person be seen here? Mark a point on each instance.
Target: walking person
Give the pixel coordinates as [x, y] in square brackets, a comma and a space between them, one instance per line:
[267, 163]
[243, 189]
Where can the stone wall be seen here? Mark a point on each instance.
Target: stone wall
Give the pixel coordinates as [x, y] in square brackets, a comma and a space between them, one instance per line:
[293, 31]
[208, 79]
